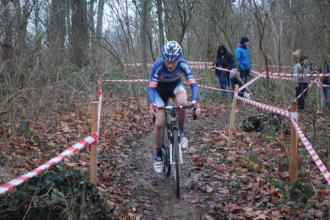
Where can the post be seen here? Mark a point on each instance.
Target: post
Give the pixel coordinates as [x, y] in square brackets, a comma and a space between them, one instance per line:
[93, 152]
[233, 116]
[293, 158]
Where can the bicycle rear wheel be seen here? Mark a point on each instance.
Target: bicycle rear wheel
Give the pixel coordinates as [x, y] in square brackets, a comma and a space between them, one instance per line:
[177, 162]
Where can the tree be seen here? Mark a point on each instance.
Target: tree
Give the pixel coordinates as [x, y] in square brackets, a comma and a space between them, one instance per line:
[8, 24]
[80, 40]
[160, 23]
[56, 27]
[144, 34]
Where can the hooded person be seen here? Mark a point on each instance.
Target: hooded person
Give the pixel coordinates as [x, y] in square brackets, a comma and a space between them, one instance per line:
[224, 60]
[243, 58]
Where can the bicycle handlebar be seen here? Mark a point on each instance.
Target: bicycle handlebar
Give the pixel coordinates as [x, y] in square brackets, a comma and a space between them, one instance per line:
[178, 107]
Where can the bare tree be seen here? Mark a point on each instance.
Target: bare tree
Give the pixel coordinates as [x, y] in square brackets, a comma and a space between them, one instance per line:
[144, 35]
[160, 23]
[56, 28]
[80, 40]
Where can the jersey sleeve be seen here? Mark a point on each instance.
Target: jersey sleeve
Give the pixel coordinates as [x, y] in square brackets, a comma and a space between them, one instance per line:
[153, 82]
[190, 78]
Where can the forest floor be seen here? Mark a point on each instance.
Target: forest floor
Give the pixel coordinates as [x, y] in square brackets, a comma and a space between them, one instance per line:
[245, 181]
[248, 180]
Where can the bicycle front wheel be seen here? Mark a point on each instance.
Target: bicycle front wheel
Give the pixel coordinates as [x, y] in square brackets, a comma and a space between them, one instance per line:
[176, 155]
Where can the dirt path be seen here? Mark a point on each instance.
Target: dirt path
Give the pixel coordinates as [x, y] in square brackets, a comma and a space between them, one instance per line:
[137, 192]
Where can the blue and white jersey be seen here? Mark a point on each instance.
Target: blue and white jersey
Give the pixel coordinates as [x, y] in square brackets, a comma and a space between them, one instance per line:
[161, 76]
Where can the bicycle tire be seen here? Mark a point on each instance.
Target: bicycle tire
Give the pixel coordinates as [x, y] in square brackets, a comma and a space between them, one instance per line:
[166, 159]
[177, 162]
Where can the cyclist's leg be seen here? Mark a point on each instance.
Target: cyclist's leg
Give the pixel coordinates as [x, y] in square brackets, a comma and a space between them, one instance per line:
[159, 123]
[157, 138]
[181, 99]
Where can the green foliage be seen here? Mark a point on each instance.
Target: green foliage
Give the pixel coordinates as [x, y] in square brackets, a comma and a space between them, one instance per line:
[27, 132]
[300, 191]
[270, 136]
[69, 69]
[296, 194]
[57, 194]
[234, 187]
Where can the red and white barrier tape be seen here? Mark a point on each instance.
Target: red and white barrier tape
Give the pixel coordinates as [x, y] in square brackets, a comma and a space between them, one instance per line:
[266, 107]
[320, 84]
[126, 80]
[305, 90]
[65, 154]
[314, 74]
[215, 89]
[312, 152]
[193, 65]
[249, 83]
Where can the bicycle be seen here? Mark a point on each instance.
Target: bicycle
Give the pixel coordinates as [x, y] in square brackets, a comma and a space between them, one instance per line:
[172, 152]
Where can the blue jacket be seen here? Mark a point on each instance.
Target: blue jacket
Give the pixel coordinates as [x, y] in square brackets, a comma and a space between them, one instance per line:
[243, 57]
[160, 74]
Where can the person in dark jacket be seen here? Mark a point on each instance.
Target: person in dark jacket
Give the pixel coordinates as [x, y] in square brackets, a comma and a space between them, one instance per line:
[224, 60]
[244, 59]
[326, 83]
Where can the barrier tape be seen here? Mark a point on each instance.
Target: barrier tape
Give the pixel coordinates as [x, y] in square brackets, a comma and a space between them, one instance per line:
[313, 74]
[65, 154]
[126, 80]
[312, 152]
[320, 84]
[250, 82]
[193, 65]
[270, 108]
[305, 90]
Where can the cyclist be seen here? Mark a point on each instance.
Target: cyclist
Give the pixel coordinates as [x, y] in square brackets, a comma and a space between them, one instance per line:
[165, 82]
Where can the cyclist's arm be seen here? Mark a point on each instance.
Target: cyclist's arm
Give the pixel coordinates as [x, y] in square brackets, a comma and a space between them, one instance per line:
[190, 78]
[153, 81]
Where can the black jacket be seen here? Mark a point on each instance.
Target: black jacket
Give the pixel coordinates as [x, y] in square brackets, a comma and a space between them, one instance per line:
[225, 60]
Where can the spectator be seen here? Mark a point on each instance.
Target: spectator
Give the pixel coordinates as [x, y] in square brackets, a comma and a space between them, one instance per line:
[326, 83]
[243, 58]
[301, 79]
[224, 60]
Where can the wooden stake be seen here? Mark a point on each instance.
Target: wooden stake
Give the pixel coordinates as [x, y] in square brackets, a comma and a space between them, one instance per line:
[293, 158]
[93, 153]
[233, 116]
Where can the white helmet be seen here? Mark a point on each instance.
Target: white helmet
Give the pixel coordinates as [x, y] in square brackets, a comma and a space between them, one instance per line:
[171, 51]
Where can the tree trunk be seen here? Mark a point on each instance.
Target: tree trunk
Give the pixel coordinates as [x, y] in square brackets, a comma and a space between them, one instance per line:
[99, 23]
[90, 16]
[68, 7]
[56, 28]
[144, 36]
[8, 35]
[37, 38]
[160, 23]
[79, 33]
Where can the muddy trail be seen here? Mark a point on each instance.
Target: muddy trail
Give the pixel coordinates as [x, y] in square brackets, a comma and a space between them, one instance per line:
[244, 181]
[137, 191]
